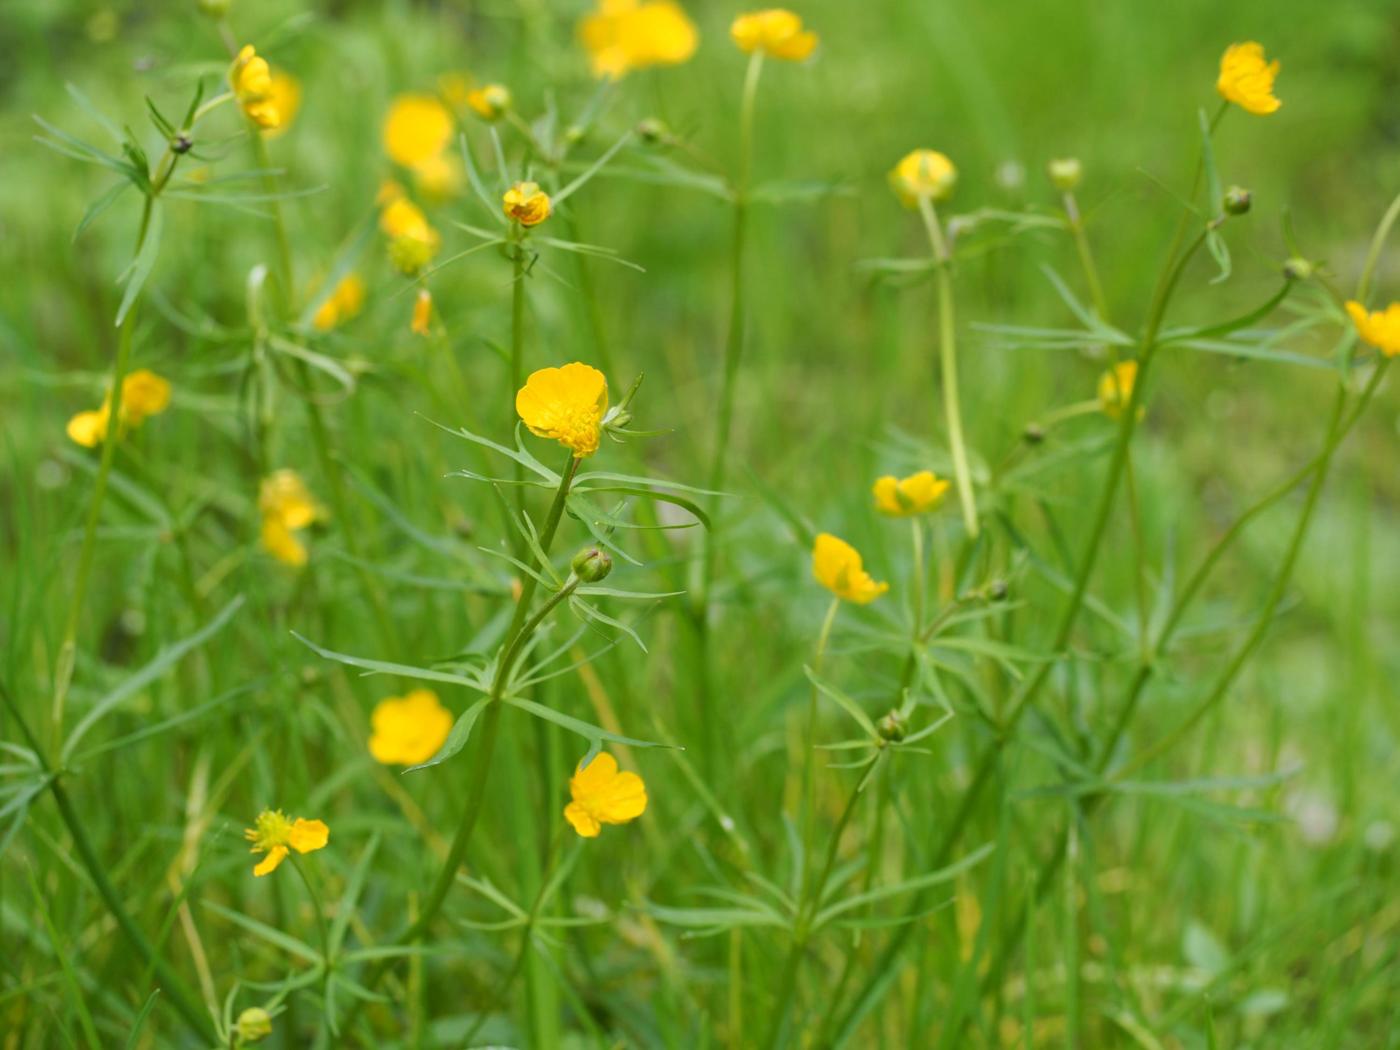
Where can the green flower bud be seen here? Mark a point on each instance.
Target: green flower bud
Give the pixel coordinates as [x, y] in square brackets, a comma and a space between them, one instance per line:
[591, 564]
[653, 132]
[1297, 269]
[253, 1026]
[1065, 173]
[214, 8]
[1237, 200]
[892, 727]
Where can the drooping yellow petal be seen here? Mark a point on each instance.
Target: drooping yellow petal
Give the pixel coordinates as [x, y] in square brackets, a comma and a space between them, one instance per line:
[838, 567]
[275, 856]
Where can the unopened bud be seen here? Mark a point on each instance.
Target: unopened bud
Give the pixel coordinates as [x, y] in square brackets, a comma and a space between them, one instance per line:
[997, 590]
[181, 144]
[1237, 200]
[1034, 434]
[591, 564]
[254, 1025]
[1297, 269]
[1065, 173]
[574, 134]
[892, 727]
[653, 132]
[214, 8]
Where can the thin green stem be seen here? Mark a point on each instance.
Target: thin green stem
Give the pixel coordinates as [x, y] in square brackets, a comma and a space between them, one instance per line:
[809, 743]
[1373, 254]
[1086, 255]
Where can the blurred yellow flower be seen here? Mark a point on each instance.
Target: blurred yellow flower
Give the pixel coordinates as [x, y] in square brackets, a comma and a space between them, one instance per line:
[144, 394]
[923, 173]
[454, 89]
[410, 729]
[417, 128]
[603, 795]
[776, 32]
[273, 834]
[839, 568]
[526, 203]
[401, 217]
[623, 35]
[1247, 80]
[566, 404]
[251, 81]
[412, 241]
[344, 302]
[916, 494]
[490, 101]
[422, 312]
[1380, 328]
[286, 507]
[1116, 388]
[440, 177]
[284, 95]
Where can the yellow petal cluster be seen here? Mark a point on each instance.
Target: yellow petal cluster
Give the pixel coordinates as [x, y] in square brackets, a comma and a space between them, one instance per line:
[344, 302]
[623, 35]
[526, 204]
[776, 32]
[1380, 328]
[566, 404]
[144, 394]
[1116, 388]
[251, 81]
[1247, 80]
[412, 240]
[408, 730]
[287, 508]
[923, 173]
[917, 494]
[838, 567]
[603, 795]
[274, 834]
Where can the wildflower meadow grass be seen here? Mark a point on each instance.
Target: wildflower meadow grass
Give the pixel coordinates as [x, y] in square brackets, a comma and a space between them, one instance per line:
[645, 524]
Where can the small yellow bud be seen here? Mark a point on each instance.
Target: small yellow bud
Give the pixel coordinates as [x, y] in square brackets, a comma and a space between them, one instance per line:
[527, 204]
[490, 102]
[1065, 173]
[422, 312]
[254, 1025]
[923, 174]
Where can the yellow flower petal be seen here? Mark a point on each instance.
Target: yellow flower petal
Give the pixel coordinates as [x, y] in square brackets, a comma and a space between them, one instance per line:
[416, 128]
[838, 567]
[582, 821]
[1380, 328]
[409, 730]
[566, 404]
[623, 35]
[268, 864]
[776, 32]
[1247, 80]
[916, 494]
[527, 204]
[89, 429]
[603, 795]
[923, 173]
[1116, 388]
[307, 836]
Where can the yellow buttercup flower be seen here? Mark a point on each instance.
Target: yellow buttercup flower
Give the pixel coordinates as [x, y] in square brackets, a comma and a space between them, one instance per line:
[440, 177]
[284, 95]
[144, 394]
[1247, 80]
[89, 429]
[273, 834]
[251, 81]
[623, 35]
[490, 101]
[408, 730]
[603, 795]
[1116, 388]
[422, 312]
[776, 32]
[916, 494]
[527, 204]
[286, 507]
[1380, 328]
[417, 128]
[923, 173]
[566, 404]
[344, 302]
[838, 567]
[412, 241]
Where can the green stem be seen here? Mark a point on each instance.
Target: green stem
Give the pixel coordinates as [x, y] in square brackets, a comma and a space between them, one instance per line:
[809, 816]
[948, 362]
[1086, 256]
[517, 377]
[1373, 254]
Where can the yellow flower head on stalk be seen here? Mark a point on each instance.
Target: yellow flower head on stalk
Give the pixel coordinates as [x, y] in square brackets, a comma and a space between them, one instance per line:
[251, 81]
[344, 302]
[422, 312]
[603, 795]
[917, 494]
[776, 32]
[439, 178]
[527, 204]
[143, 394]
[623, 35]
[1116, 388]
[273, 834]
[566, 404]
[923, 173]
[408, 730]
[412, 241]
[1247, 80]
[1380, 328]
[417, 128]
[490, 101]
[286, 507]
[284, 95]
[838, 567]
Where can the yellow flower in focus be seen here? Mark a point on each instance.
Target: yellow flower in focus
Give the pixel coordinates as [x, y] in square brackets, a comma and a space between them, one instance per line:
[440, 177]
[838, 567]
[417, 128]
[251, 81]
[776, 32]
[422, 312]
[1247, 80]
[144, 394]
[1116, 388]
[1380, 328]
[408, 730]
[284, 95]
[623, 35]
[602, 795]
[916, 494]
[566, 404]
[286, 507]
[526, 203]
[923, 173]
[490, 101]
[273, 834]
[344, 302]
